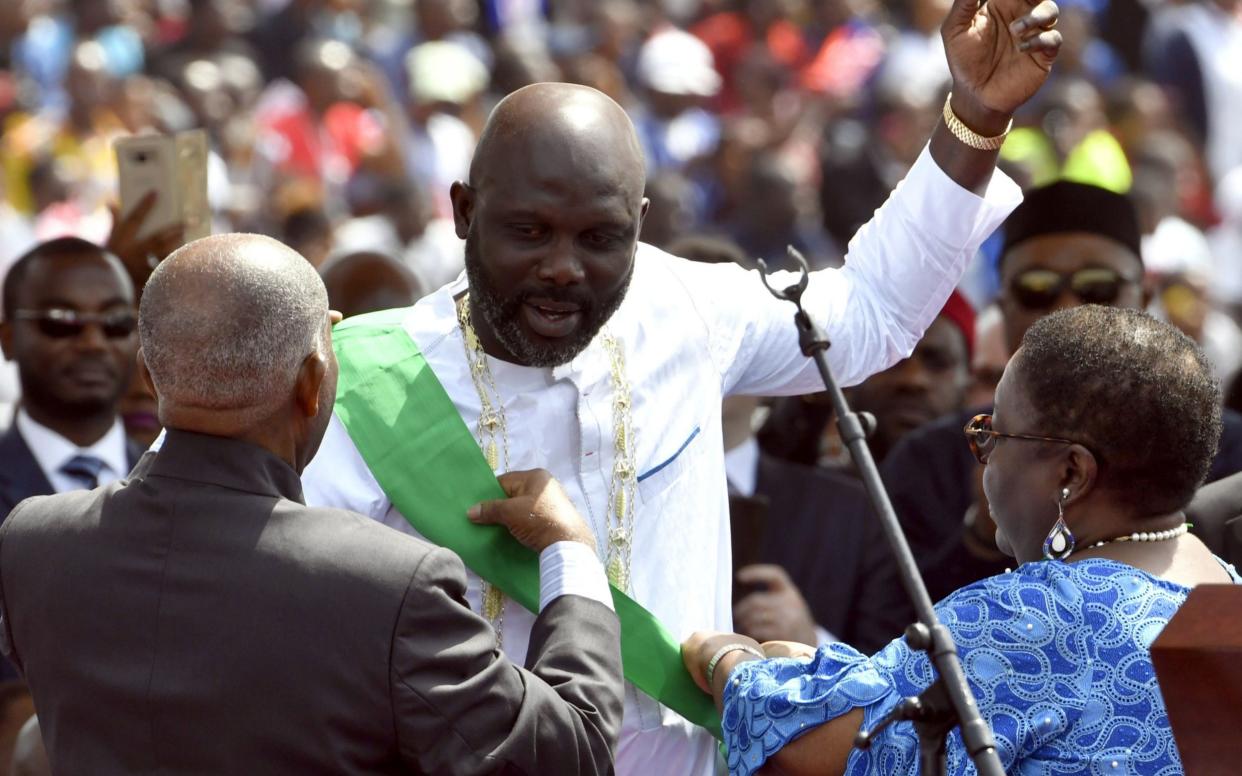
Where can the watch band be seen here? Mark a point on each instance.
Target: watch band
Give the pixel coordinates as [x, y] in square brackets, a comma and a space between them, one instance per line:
[726, 649]
[967, 135]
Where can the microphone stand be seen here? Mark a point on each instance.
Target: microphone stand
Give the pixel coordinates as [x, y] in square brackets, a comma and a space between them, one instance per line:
[948, 701]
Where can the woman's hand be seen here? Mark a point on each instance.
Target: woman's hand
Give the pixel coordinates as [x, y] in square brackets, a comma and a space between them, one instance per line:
[698, 650]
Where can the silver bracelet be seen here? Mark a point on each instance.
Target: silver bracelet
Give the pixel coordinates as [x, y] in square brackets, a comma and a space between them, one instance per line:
[726, 649]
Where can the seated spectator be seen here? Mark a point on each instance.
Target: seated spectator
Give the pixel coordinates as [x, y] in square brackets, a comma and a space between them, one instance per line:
[312, 130]
[861, 161]
[199, 618]
[672, 213]
[1069, 140]
[69, 324]
[745, 27]
[1190, 50]
[1067, 244]
[309, 232]
[1177, 257]
[439, 140]
[930, 383]
[818, 568]
[775, 214]
[1057, 652]
[402, 223]
[676, 70]
[365, 282]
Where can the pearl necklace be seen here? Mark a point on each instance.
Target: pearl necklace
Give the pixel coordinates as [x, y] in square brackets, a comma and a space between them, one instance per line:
[1147, 536]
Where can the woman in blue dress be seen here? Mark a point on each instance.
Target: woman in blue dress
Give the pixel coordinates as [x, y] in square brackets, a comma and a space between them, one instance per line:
[1104, 426]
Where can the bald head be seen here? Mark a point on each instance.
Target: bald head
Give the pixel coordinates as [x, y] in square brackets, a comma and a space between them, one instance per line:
[365, 282]
[227, 321]
[560, 119]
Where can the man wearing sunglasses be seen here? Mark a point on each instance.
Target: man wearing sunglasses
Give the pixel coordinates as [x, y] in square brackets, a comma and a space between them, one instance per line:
[69, 324]
[1067, 244]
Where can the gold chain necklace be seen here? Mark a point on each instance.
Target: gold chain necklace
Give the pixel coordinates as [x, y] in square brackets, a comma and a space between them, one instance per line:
[491, 426]
[621, 489]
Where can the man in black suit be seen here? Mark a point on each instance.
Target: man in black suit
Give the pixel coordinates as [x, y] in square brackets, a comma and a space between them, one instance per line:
[69, 324]
[201, 619]
[813, 563]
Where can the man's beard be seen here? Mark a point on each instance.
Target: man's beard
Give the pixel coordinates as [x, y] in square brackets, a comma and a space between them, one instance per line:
[79, 408]
[502, 314]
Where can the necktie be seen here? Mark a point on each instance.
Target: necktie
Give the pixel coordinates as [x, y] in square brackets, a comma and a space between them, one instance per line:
[85, 469]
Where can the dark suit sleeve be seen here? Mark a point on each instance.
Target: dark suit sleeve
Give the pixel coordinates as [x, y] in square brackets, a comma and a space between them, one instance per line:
[462, 707]
[7, 647]
[883, 609]
[929, 476]
[1212, 508]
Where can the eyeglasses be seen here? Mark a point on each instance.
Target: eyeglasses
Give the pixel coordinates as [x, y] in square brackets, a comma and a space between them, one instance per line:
[1039, 289]
[982, 438]
[59, 323]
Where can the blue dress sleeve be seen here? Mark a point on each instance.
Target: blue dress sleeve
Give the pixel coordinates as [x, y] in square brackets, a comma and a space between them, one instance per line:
[1023, 655]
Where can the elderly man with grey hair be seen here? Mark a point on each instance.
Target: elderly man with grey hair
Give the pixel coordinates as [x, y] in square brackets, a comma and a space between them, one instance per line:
[199, 618]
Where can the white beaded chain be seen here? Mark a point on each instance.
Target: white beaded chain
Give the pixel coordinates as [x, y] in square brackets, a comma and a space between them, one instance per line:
[1147, 536]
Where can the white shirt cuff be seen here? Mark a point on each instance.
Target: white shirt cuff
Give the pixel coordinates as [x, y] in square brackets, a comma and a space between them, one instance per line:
[572, 568]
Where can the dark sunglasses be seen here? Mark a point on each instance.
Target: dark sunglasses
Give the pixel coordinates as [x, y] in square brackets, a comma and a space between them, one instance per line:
[59, 323]
[1039, 289]
[982, 437]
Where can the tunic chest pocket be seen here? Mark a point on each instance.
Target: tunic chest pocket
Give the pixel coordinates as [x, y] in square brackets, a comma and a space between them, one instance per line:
[672, 461]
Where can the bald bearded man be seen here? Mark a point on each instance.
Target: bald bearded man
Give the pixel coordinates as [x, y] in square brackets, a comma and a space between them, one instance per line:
[202, 619]
[569, 344]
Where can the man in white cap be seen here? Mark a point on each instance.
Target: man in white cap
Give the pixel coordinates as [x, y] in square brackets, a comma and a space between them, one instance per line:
[677, 72]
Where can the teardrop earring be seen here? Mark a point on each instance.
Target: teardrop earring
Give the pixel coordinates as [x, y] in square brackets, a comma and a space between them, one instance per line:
[1060, 541]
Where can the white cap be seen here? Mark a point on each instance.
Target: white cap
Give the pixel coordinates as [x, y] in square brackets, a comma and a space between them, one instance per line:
[1177, 248]
[443, 71]
[676, 62]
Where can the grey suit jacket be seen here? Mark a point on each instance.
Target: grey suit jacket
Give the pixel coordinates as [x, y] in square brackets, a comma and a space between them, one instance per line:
[202, 620]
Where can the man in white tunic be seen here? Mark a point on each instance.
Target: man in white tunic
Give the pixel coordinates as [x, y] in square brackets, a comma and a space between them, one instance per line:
[571, 346]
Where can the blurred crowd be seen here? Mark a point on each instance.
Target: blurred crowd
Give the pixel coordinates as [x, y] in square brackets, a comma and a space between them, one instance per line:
[338, 125]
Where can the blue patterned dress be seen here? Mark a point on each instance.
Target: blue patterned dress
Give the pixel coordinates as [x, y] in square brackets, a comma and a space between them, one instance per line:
[1058, 655]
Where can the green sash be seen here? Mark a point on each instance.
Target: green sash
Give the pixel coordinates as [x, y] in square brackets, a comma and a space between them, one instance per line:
[430, 467]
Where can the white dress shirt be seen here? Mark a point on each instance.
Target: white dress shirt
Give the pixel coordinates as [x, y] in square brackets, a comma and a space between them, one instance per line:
[52, 451]
[692, 334]
[742, 467]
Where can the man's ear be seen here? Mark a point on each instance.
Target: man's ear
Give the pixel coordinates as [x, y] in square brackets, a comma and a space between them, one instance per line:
[144, 374]
[306, 388]
[6, 340]
[462, 197]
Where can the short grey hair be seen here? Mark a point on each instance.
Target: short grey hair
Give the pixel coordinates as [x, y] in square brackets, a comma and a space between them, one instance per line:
[226, 321]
